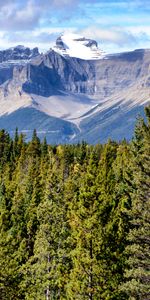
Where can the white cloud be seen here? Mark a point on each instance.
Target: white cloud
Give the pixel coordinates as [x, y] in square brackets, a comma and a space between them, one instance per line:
[138, 29]
[114, 35]
[26, 22]
[15, 16]
[27, 14]
[43, 38]
[110, 40]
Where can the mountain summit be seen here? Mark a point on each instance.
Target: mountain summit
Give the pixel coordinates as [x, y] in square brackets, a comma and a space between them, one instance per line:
[74, 45]
[73, 92]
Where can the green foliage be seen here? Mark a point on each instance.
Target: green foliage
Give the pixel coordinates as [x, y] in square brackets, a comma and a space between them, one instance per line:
[75, 219]
[137, 272]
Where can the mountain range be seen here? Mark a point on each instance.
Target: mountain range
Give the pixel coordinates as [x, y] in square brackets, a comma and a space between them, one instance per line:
[74, 91]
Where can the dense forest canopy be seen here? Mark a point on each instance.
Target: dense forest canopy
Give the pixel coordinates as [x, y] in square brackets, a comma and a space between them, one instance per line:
[75, 219]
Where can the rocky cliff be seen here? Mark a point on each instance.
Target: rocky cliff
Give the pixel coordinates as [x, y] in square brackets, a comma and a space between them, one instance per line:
[97, 98]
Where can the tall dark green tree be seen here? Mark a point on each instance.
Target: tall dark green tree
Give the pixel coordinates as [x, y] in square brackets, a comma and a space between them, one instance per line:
[137, 274]
[47, 268]
[5, 147]
[9, 265]
[85, 275]
[34, 147]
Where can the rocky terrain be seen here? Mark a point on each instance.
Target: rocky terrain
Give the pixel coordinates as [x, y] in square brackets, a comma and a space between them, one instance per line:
[69, 99]
[18, 53]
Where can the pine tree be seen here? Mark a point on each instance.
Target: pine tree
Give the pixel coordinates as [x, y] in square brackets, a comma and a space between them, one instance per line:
[137, 274]
[46, 269]
[85, 275]
[34, 147]
[9, 265]
[118, 225]
[5, 147]
[109, 218]
[44, 148]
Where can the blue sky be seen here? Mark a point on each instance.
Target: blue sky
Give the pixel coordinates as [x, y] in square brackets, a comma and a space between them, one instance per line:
[117, 25]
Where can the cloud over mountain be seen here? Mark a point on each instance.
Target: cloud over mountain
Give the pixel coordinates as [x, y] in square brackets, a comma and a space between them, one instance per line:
[113, 21]
[112, 35]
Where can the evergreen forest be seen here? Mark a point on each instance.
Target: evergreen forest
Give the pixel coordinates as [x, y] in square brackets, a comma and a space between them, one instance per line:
[75, 219]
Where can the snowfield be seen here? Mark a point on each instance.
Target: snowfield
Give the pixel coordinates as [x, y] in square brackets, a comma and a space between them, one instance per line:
[77, 46]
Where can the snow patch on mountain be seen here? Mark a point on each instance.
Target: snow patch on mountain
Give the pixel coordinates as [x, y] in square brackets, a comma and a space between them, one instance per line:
[74, 45]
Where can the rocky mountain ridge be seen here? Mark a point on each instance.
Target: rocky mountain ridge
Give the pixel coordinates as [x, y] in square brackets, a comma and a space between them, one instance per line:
[18, 53]
[93, 99]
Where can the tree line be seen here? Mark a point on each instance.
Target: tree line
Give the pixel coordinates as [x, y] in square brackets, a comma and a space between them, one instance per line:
[75, 219]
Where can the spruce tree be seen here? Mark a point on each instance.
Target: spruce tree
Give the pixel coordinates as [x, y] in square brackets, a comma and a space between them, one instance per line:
[46, 269]
[9, 264]
[85, 275]
[137, 274]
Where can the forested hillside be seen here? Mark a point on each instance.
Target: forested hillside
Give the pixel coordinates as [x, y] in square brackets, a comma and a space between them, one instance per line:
[75, 219]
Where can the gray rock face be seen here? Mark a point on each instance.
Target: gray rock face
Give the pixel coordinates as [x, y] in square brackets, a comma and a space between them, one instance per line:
[60, 44]
[103, 77]
[118, 83]
[18, 53]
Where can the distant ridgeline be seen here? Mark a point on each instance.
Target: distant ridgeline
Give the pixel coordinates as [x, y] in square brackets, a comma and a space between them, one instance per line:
[75, 219]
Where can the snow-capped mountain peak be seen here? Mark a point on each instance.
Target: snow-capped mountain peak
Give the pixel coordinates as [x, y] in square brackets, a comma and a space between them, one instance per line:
[73, 45]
